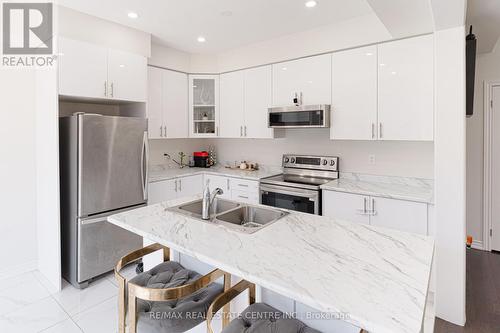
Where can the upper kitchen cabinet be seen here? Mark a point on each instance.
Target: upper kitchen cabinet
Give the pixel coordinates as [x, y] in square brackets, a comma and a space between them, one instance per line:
[167, 109]
[406, 89]
[204, 105]
[258, 99]
[83, 69]
[245, 97]
[232, 105]
[307, 78]
[175, 104]
[127, 76]
[354, 94]
[91, 71]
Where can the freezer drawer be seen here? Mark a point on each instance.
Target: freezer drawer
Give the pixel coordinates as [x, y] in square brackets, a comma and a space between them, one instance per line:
[100, 246]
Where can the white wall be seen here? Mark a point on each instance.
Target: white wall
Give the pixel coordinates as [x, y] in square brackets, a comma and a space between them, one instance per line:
[449, 191]
[410, 159]
[350, 33]
[77, 25]
[172, 147]
[18, 243]
[487, 69]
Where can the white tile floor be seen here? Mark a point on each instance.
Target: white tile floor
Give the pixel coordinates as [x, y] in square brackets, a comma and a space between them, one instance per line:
[28, 305]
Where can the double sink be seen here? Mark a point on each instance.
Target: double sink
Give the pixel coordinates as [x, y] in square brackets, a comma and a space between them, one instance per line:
[240, 217]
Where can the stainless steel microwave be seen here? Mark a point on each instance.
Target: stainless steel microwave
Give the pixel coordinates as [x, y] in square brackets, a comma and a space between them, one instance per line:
[302, 116]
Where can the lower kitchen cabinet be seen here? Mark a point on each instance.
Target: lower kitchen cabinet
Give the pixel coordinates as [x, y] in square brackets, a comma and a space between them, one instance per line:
[390, 213]
[241, 190]
[345, 206]
[174, 188]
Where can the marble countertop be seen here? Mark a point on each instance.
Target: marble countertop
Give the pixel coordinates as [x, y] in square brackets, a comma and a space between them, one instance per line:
[411, 189]
[378, 277]
[159, 173]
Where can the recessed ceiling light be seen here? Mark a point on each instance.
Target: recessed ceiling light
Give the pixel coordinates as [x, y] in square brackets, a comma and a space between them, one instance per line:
[122, 65]
[201, 39]
[284, 68]
[311, 4]
[369, 54]
[133, 15]
[227, 13]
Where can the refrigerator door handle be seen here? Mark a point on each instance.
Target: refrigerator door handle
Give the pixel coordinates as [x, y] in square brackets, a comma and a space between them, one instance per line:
[144, 165]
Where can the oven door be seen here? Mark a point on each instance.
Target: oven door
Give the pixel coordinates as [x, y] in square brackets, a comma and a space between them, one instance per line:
[301, 200]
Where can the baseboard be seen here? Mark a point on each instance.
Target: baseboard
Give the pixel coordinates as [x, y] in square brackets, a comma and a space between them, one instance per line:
[478, 245]
[14, 270]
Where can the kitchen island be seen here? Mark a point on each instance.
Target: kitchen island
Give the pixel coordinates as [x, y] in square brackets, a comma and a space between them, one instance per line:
[378, 278]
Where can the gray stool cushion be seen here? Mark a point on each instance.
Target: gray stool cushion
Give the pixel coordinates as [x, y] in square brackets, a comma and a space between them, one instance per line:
[262, 318]
[174, 316]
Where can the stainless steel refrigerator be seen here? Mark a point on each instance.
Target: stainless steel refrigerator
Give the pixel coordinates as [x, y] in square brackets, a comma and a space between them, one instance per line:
[103, 168]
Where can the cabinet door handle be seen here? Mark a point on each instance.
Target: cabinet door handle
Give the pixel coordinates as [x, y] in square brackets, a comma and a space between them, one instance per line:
[380, 130]
[217, 130]
[161, 130]
[241, 131]
[372, 208]
[112, 90]
[373, 130]
[227, 184]
[243, 185]
[245, 130]
[364, 204]
[165, 129]
[180, 185]
[105, 88]
[242, 197]
[176, 185]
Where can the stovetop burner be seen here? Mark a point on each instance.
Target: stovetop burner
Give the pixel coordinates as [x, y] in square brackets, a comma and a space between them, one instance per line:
[309, 172]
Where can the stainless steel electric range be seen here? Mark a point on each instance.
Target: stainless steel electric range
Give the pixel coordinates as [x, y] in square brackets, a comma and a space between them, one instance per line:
[298, 188]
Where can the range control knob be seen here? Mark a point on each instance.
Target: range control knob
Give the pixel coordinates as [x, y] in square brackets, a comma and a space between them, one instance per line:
[287, 160]
[292, 160]
[325, 162]
[332, 162]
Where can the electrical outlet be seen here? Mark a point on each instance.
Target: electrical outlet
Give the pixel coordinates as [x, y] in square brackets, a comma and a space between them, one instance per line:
[371, 159]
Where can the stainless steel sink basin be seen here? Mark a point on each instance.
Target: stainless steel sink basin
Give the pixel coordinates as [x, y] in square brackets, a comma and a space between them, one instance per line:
[218, 206]
[251, 218]
[240, 217]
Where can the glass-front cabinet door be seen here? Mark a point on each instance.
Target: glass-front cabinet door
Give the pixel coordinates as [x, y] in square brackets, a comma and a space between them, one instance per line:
[204, 108]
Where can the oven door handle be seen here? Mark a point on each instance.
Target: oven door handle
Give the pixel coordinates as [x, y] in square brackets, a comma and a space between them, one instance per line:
[312, 195]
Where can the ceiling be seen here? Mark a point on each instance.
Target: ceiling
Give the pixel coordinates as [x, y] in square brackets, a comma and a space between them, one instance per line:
[484, 16]
[226, 24]
[229, 24]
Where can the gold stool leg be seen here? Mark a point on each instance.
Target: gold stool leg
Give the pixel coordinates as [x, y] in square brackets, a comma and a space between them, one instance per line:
[121, 306]
[226, 310]
[132, 311]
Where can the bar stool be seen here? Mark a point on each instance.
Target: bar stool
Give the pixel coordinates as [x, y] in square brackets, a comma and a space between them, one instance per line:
[257, 317]
[167, 298]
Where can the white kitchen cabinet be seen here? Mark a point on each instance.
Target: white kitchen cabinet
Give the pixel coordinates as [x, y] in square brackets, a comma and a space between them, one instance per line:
[161, 191]
[245, 97]
[167, 109]
[390, 213]
[189, 186]
[155, 112]
[309, 76]
[354, 94]
[399, 214]
[346, 206]
[406, 89]
[204, 105]
[83, 69]
[127, 76]
[221, 182]
[232, 111]
[175, 104]
[91, 71]
[258, 99]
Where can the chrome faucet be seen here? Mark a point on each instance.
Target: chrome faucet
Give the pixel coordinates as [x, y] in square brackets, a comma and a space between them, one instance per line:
[208, 200]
